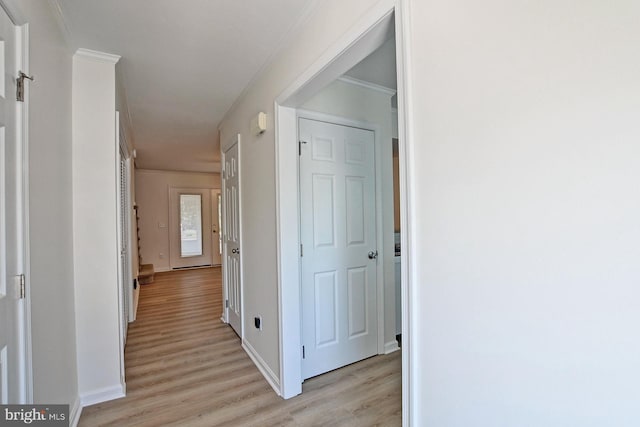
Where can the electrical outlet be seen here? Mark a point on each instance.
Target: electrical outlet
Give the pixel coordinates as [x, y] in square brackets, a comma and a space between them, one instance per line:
[257, 321]
[160, 255]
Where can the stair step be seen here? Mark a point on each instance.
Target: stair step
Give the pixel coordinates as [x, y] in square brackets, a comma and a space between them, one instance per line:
[145, 276]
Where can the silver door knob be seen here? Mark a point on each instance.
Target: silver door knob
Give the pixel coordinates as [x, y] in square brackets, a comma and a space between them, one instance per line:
[373, 254]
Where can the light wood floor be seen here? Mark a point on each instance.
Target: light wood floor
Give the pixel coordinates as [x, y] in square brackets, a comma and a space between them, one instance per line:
[186, 368]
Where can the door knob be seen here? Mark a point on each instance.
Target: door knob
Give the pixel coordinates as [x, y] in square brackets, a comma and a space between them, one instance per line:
[373, 254]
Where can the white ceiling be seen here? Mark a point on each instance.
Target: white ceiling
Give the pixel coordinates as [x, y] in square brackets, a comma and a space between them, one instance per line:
[183, 65]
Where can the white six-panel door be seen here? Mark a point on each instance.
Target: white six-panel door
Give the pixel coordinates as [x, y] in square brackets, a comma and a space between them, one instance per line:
[338, 235]
[12, 345]
[231, 238]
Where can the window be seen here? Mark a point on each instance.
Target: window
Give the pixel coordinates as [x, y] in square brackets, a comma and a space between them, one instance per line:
[190, 225]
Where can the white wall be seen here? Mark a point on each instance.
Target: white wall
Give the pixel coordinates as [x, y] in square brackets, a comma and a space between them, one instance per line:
[94, 228]
[526, 167]
[372, 106]
[50, 216]
[152, 197]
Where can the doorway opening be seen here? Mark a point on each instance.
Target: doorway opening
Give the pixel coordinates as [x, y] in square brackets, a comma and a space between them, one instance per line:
[319, 95]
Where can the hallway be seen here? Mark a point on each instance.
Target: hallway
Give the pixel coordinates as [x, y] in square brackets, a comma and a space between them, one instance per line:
[184, 367]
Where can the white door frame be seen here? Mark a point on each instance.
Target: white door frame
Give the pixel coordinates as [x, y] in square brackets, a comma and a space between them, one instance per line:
[361, 40]
[378, 148]
[223, 226]
[217, 192]
[13, 9]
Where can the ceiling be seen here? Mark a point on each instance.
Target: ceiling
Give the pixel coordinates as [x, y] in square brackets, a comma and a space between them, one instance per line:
[183, 65]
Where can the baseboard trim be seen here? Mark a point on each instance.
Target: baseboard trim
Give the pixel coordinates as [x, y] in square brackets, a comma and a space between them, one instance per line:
[264, 369]
[391, 346]
[103, 395]
[162, 269]
[74, 413]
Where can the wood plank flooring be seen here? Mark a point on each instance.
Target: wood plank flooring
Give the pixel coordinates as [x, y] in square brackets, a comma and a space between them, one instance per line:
[184, 367]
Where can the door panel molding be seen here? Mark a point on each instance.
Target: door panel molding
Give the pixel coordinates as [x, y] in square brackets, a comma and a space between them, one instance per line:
[339, 160]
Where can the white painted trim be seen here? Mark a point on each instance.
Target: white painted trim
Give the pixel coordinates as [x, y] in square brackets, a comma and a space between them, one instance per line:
[375, 128]
[75, 411]
[262, 366]
[391, 346]
[411, 401]
[288, 254]
[103, 395]
[161, 270]
[98, 56]
[368, 85]
[240, 228]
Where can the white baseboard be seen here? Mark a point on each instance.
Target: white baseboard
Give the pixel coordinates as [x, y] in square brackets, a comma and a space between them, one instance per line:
[103, 395]
[75, 410]
[264, 369]
[391, 346]
[162, 269]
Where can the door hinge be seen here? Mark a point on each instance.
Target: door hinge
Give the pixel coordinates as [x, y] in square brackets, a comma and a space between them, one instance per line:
[301, 250]
[20, 85]
[303, 355]
[226, 303]
[23, 289]
[300, 147]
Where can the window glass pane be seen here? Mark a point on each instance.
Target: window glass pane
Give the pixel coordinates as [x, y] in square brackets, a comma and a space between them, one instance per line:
[190, 225]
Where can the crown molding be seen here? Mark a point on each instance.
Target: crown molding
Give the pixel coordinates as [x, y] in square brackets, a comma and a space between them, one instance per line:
[368, 85]
[98, 56]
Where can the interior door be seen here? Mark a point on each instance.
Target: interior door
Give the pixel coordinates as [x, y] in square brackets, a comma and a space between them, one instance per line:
[231, 238]
[12, 334]
[338, 235]
[216, 239]
[190, 222]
